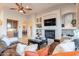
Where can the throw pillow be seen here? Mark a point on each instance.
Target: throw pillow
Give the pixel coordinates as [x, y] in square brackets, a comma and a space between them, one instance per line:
[32, 47]
[20, 48]
[67, 47]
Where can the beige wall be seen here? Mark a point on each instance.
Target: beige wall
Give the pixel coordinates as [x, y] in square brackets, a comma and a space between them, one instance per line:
[24, 24]
[77, 15]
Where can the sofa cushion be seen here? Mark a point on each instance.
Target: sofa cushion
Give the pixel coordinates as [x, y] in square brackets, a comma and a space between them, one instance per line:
[52, 47]
[6, 40]
[76, 53]
[64, 47]
[43, 51]
[9, 52]
[64, 54]
[57, 49]
[13, 39]
[9, 41]
[73, 53]
[30, 53]
[69, 46]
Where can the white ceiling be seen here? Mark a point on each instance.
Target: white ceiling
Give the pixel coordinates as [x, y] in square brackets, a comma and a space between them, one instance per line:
[36, 7]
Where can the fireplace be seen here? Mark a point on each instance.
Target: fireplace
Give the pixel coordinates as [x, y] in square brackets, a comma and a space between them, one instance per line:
[50, 34]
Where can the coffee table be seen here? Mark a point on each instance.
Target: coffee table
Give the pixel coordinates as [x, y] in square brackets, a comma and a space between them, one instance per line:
[37, 41]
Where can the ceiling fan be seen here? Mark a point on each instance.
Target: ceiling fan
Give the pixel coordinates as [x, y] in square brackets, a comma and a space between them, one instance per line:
[20, 8]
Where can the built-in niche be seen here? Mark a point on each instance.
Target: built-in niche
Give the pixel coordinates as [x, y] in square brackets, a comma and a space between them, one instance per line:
[12, 28]
[68, 24]
[68, 20]
[39, 27]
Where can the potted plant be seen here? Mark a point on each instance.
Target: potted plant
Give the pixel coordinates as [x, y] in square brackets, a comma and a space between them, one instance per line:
[73, 22]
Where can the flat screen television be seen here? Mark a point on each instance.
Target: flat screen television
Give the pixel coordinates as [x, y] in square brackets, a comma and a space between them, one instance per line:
[50, 22]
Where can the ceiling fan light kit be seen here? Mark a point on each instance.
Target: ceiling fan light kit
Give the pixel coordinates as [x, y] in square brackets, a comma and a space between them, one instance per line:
[27, 6]
[20, 11]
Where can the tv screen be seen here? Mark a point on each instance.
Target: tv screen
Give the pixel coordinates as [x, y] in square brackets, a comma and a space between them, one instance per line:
[50, 22]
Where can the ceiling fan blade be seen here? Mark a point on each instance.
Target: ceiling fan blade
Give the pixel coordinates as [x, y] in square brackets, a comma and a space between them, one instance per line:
[13, 8]
[17, 4]
[21, 4]
[24, 12]
[28, 9]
